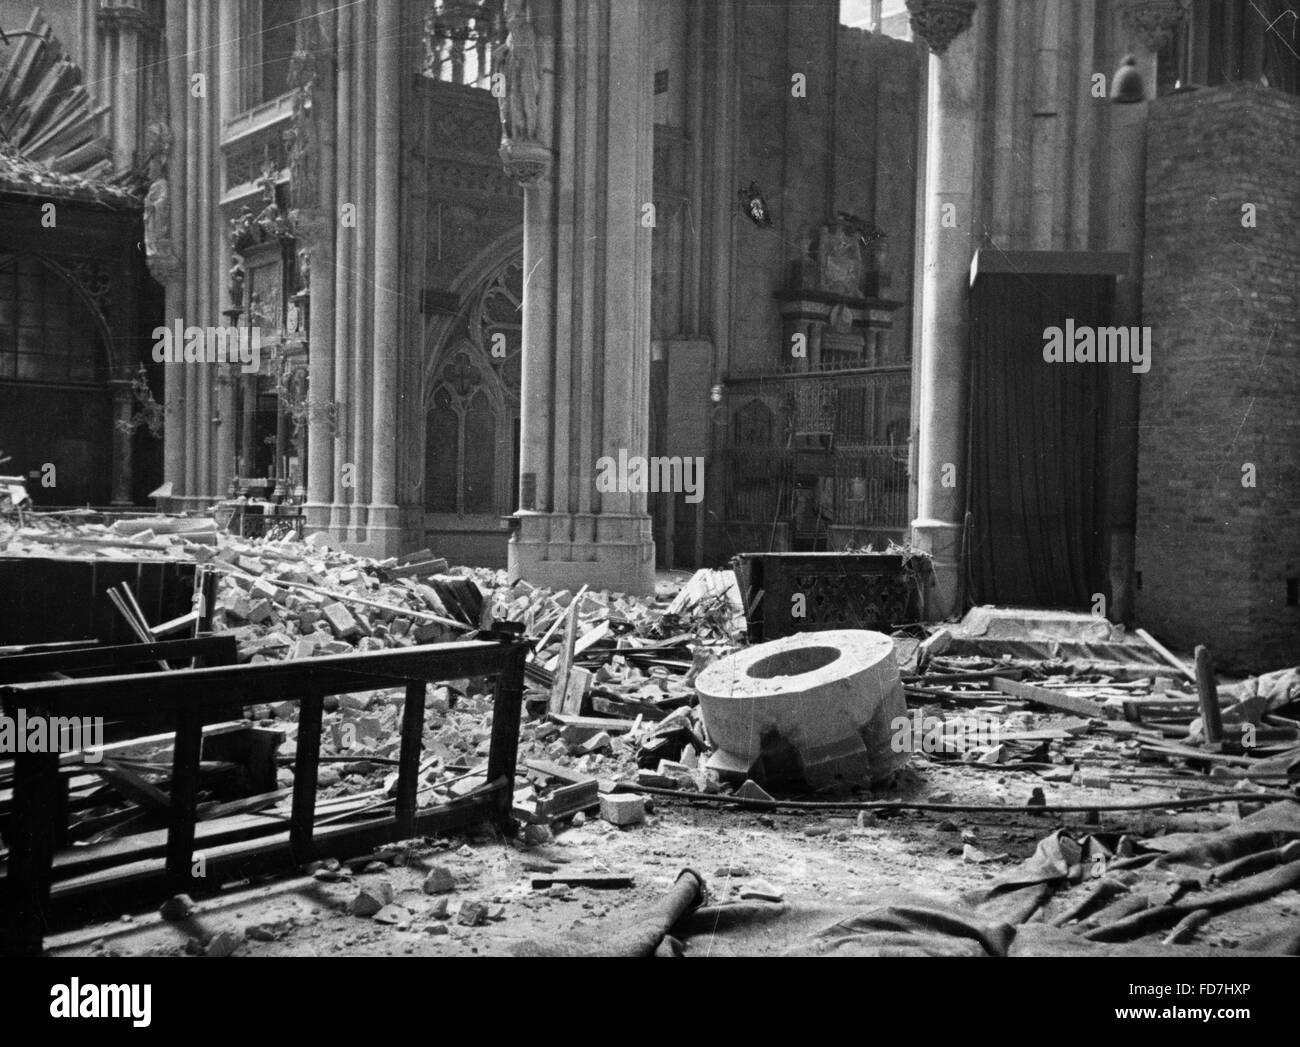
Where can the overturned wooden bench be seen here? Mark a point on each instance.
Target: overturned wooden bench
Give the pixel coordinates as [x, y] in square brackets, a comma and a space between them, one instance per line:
[191, 698]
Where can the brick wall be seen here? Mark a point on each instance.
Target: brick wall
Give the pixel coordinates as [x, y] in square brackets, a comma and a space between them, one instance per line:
[1224, 386]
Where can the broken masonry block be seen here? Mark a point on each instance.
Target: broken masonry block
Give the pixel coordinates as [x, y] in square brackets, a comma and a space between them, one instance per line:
[622, 808]
[341, 621]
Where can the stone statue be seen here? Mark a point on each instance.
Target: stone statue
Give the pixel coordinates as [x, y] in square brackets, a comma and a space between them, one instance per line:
[301, 137]
[235, 284]
[243, 230]
[157, 218]
[157, 201]
[271, 220]
[519, 58]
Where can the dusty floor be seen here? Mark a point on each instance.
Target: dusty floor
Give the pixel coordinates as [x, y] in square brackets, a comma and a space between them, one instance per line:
[811, 857]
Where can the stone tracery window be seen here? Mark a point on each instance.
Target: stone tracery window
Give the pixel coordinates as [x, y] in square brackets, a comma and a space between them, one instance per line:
[471, 421]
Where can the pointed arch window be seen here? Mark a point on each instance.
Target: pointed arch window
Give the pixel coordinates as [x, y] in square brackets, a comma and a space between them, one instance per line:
[471, 451]
[461, 437]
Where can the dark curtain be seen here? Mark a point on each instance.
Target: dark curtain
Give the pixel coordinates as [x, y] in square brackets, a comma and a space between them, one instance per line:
[1038, 485]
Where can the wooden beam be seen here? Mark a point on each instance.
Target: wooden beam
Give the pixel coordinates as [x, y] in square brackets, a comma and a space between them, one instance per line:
[1166, 655]
[1207, 690]
[1051, 699]
[226, 688]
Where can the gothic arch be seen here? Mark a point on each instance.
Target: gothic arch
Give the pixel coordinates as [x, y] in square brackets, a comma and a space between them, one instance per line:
[90, 290]
[471, 393]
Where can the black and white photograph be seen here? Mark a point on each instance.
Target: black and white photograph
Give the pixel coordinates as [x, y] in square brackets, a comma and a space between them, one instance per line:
[667, 478]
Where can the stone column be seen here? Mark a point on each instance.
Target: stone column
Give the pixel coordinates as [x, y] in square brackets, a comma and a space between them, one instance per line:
[315, 219]
[167, 263]
[123, 454]
[384, 531]
[943, 367]
[316, 237]
[121, 23]
[579, 126]
[344, 255]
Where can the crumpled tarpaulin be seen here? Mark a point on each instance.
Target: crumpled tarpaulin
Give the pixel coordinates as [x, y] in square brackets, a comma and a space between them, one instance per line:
[896, 926]
[1005, 919]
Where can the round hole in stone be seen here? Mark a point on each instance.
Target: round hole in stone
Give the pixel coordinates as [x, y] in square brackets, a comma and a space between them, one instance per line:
[794, 662]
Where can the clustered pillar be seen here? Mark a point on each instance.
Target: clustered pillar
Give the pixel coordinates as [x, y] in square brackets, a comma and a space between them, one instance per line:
[583, 146]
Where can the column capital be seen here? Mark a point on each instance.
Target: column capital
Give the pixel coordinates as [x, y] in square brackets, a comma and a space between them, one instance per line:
[1153, 21]
[940, 22]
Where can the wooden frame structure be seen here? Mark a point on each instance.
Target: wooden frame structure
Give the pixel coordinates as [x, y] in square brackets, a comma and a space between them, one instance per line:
[192, 698]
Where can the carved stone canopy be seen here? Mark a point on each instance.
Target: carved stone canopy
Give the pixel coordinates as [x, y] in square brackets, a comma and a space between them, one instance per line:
[940, 22]
[1153, 21]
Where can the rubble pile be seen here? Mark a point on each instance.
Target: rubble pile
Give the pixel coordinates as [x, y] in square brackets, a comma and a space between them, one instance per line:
[612, 671]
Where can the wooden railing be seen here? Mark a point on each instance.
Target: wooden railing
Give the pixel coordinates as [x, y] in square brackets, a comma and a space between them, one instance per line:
[195, 697]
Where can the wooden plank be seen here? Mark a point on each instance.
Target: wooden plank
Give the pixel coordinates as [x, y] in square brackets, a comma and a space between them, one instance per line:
[593, 881]
[1051, 699]
[596, 722]
[562, 663]
[1166, 655]
[132, 786]
[1207, 690]
[1137, 708]
[554, 770]
[591, 636]
[576, 692]
[569, 799]
[247, 805]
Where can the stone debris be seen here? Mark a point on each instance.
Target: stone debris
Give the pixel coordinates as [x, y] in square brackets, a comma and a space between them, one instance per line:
[439, 881]
[224, 943]
[760, 891]
[371, 899]
[633, 719]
